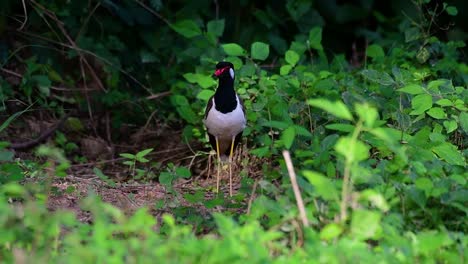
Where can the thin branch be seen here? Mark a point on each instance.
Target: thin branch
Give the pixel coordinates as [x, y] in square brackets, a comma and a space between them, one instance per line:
[88, 101]
[85, 23]
[57, 88]
[252, 196]
[60, 25]
[158, 95]
[297, 192]
[217, 9]
[78, 49]
[153, 12]
[25, 16]
[46, 134]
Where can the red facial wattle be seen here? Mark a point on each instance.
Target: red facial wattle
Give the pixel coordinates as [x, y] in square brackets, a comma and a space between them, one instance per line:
[218, 72]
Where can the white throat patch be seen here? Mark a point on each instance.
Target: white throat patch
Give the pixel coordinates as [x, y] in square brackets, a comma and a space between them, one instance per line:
[231, 71]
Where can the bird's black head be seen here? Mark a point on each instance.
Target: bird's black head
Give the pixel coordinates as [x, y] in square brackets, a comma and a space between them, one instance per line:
[224, 69]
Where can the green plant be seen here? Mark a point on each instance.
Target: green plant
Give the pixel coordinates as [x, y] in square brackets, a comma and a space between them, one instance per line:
[132, 159]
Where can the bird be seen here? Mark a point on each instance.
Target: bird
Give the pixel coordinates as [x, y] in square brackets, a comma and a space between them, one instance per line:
[225, 118]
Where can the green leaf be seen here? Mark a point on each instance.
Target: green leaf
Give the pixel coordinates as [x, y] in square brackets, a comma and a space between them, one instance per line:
[205, 95]
[43, 83]
[191, 77]
[375, 198]
[13, 189]
[382, 78]
[203, 80]
[412, 34]
[165, 178]
[259, 51]
[375, 51]
[54, 76]
[183, 172]
[352, 150]
[431, 241]
[452, 10]
[367, 113]
[449, 153]
[237, 62]
[322, 185]
[341, 127]
[288, 136]
[331, 231]
[6, 155]
[423, 55]
[412, 89]
[365, 224]
[98, 172]
[462, 118]
[128, 163]
[13, 117]
[424, 184]
[338, 108]
[285, 70]
[233, 49]
[127, 156]
[444, 102]
[143, 153]
[315, 38]
[142, 159]
[437, 113]
[148, 57]
[421, 103]
[216, 27]
[186, 28]
[302, 131]
[291, 57]
[450, 126]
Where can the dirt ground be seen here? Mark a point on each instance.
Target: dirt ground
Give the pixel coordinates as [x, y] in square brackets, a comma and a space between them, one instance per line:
[97, 150]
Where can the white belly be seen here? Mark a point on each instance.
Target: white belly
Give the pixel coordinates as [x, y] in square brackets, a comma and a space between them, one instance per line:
[225, 126]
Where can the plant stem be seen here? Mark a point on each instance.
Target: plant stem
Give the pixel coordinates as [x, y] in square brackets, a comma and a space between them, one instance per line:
[297, 192]
[347, 184]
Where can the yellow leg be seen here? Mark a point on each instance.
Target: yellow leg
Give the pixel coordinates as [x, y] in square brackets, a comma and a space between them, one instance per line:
[230, 165]
[219, 165]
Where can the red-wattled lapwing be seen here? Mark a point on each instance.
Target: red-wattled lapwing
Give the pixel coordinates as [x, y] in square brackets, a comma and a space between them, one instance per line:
[225, 118]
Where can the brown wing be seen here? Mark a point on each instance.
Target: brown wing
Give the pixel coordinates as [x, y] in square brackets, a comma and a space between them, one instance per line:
[209, 106]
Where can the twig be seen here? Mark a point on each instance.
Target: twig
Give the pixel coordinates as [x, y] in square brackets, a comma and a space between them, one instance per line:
[85, 23]
[88, 102]
[25, 16]
[57, 88]
[60, 25]
[46, 134]
[297, 193]
[78, 49]
[158, 95]
[300, 233]
[119, 159]
[153, 12]
[252, 195]
[217, 9]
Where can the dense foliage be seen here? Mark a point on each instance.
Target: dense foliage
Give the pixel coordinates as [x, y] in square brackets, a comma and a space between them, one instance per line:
[369, 100]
